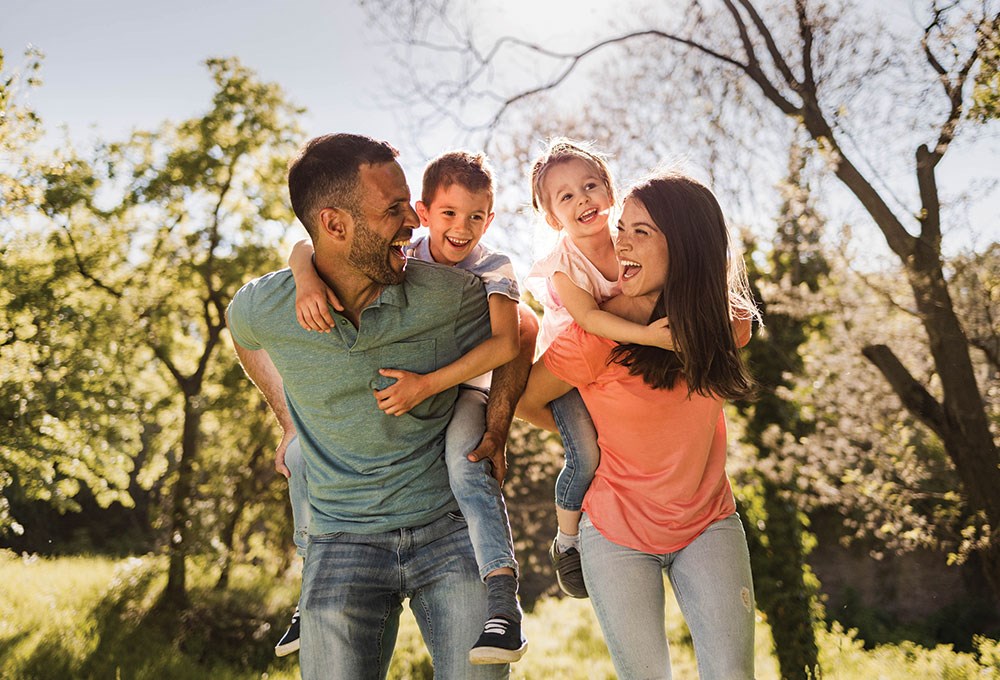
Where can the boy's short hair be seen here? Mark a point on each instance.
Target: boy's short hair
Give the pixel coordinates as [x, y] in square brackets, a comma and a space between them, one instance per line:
[325, 172]
[469, 170]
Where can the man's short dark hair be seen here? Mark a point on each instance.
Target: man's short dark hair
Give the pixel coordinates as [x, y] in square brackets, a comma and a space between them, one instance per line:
[469, 170]
[325, 171]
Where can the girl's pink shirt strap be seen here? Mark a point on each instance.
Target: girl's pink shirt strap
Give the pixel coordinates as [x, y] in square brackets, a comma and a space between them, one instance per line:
[662, 478]
[568, 259]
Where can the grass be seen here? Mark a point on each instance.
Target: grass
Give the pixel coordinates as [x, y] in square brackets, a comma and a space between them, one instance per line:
[93, 617]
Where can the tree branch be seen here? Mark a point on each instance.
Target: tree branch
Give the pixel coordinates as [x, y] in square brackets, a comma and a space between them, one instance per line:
[914, 396]
[806, 34]
[765, 33]
[577, 57]
[82, 269]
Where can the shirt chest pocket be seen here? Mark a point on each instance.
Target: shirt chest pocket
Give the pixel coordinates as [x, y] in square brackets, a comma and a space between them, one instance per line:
[416, 357]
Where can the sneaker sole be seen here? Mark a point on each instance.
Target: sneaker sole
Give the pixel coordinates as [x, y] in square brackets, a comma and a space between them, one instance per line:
[488, 655]
[287, 648]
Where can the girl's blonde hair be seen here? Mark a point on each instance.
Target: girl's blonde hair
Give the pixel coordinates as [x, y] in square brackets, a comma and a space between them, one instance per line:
[561, 150]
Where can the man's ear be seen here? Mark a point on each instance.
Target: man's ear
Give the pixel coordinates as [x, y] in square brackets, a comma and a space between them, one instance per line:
[335, 223]
[424, 213]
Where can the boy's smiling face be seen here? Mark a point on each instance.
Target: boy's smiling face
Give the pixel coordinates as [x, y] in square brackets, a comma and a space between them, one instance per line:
[457, 218]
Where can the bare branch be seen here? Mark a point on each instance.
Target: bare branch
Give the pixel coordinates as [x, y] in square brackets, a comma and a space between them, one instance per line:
[805, 32]
[765, 33]
[914, 396]
[577, 57]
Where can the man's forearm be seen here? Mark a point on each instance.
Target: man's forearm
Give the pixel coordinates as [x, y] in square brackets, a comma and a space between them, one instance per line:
[509, 380]
[261, 370]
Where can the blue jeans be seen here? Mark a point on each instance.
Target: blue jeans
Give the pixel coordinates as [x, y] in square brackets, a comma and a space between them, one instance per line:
[711, 580]
[298, 495]
[579, 440]
[353, 587]
[477, 492]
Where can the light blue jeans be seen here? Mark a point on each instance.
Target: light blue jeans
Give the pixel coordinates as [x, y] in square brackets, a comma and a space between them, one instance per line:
[711, 580]
[353, 587]
[579, 438]
[477, 492]
[298, 495]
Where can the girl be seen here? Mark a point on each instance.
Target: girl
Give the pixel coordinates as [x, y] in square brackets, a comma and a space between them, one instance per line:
[660, 500]
[571, 186]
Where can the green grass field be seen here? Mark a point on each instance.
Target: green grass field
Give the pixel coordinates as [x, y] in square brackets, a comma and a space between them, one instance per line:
[93, 617]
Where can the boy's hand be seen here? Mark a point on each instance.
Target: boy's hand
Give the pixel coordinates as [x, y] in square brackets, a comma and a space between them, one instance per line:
[659, 334]
[311, 298]
[279, 453]
[409, 390]
[493, 447]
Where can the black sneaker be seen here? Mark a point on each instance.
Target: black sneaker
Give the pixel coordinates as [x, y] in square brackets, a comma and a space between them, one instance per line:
[501, 642]
[289, 642]
[569, 572]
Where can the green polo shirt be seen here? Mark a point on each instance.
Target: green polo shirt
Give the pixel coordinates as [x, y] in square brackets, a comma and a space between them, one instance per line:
[367, 471]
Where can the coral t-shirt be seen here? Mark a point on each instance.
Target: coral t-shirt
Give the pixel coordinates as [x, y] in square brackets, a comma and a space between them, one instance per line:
[662, 477]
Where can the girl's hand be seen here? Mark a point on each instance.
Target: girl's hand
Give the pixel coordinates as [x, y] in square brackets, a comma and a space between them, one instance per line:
[659, 334]
[409, 390]
[311, 298]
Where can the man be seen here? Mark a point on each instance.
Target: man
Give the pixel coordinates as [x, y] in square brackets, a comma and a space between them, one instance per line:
[384, 525]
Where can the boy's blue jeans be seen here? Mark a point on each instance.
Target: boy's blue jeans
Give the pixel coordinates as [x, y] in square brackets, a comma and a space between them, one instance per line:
[477, 492]
[298, 495]
[579, 439]
[713, 586]
[353, 587]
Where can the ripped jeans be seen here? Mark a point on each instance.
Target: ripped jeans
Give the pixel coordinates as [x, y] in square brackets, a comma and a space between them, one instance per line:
[713, 586]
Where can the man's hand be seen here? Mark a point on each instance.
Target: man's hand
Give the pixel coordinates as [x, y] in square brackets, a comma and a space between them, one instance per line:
[493, 447]
[279, 454]
[409, 390]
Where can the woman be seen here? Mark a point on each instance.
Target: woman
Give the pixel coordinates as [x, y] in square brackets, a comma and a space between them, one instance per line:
[660, 499]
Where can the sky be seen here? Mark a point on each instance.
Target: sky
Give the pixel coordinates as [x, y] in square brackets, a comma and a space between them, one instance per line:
[112, 66]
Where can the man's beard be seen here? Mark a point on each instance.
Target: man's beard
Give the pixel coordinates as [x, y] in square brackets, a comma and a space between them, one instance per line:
[370, 255]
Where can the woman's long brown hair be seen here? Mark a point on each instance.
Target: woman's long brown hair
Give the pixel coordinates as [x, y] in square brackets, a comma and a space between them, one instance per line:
[704, 291]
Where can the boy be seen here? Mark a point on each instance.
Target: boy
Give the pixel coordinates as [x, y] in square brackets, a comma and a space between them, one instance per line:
[456, 207]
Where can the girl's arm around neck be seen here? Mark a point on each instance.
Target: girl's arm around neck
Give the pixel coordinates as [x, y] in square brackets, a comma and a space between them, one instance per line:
[590, 317]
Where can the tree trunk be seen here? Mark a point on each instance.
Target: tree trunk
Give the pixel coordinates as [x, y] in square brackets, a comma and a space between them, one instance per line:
[966, 433]
[787, 605]
[176, 590]
[963, 425]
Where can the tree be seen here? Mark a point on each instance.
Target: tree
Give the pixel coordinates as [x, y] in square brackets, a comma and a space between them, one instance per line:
[194, 210]
[795, 268]
[811, 64]
[59, 354]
